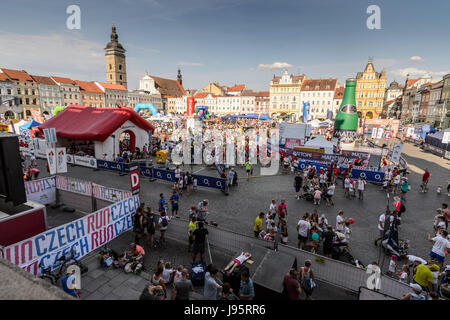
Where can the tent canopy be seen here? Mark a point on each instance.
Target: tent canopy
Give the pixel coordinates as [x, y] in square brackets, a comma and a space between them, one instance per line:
[435, 139]
[321, 142]
[96, 124]
[30, 125]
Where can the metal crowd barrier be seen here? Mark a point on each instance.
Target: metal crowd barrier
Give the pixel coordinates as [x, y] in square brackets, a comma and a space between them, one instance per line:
[327, 270]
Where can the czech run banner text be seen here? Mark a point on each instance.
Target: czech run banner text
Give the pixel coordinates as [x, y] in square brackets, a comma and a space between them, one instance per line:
[84, 235]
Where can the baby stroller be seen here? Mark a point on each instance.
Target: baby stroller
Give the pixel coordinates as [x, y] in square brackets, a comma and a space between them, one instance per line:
[308, 195]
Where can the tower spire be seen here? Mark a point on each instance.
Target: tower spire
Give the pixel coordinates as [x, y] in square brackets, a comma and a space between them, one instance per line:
[179, 76]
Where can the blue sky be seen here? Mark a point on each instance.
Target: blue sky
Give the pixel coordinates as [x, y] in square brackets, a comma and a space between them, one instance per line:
[230, 41]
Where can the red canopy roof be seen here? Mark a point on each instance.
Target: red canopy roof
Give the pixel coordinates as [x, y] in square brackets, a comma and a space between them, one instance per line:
[96, 124]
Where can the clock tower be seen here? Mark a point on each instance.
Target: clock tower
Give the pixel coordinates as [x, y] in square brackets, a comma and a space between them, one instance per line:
[116, 68]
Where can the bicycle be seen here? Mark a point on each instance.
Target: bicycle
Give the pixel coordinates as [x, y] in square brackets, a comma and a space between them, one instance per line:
[56, 271]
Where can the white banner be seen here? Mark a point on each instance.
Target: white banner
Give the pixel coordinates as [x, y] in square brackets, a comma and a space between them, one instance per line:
[396, 152]
[380, 132]
[61, 160]
[73, 185]
[83, 235]
[82, 161]
[42, 191]
[51, 159]
[374, 133]
[109, 194]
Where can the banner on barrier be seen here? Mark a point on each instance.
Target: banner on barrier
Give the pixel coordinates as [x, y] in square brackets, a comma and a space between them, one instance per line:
[61, 160]
[165, 175]
[210, 182]
[74, 185]
[51, 160]
[112, 166]
[83, 235]
[42, 191]
[134, 180]
[368, 175]
[109, 194]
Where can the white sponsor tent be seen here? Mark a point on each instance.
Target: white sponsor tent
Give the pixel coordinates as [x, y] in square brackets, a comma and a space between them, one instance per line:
[321, 142]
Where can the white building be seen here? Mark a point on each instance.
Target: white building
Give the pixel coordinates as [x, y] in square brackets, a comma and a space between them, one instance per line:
[320, 95]
[115, 94]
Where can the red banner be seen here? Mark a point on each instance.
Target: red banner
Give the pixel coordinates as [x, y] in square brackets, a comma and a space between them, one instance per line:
[36, 115]
[135, 181]
[190, 106]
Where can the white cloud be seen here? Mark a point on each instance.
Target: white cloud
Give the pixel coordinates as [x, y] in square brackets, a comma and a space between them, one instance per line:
[417, 72]
[275, 65]
[416, 58]
[190, 64]
[58, 53]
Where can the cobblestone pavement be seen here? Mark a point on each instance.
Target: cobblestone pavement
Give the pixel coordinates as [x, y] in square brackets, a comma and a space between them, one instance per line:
[238, 210]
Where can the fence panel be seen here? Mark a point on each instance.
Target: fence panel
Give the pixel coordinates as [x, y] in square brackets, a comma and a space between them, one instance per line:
[328, 270]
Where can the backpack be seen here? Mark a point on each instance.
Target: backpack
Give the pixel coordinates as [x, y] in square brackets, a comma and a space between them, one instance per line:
[164, 223]
[402, 207]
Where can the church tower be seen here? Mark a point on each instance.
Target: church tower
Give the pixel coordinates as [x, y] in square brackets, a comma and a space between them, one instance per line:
[116, 68]
[180, 77]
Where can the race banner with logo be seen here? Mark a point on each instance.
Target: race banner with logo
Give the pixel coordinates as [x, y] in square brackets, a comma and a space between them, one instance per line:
[165, 175]
[61, 160]
[112, 166]
[210, 182]
[42, 191]
[83, 235]
[109, 194]
[51, 159]
[82, 161]
[74, 185]
[368, 175]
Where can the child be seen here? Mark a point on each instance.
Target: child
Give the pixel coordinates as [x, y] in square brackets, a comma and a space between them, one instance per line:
[351, 189]
[317, 196]
[195, 183]
[392, 265]
[439, 190]
[404, 274]
[181, 185]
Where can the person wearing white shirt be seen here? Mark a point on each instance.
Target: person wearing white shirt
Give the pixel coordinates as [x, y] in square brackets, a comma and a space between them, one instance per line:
[340, 221]
[330, 193]
[303, 228]
[273, 208]
[396, 183]
[440, 244]
[347, 187]
[361, 183]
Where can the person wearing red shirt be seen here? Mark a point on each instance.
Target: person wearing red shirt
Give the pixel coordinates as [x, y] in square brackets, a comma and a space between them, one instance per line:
[282, 211]
[425, 179]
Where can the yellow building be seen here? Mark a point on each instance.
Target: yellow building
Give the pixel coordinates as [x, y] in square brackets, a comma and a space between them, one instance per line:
[285, 94]
[370, 90]
[214, 88]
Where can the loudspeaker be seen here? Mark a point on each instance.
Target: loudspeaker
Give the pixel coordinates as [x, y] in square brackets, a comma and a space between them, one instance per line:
[12, 186]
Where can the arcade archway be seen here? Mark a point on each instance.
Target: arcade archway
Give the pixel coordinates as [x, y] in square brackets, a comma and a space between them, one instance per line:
[127, 141]
[9, 114]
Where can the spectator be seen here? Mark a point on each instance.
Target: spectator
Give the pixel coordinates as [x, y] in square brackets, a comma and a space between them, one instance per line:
[246, 290]
[227, 292]
[211, 286]
[424, 277]
[199, 241]
[191, 229]
[307, 279]
[416, 293]
[303, 228]
[182, 288]
[291, 286]
[163, 223]
[258, 224]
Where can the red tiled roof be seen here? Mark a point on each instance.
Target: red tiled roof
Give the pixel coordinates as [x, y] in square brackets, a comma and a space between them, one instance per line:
[18, 75]
[112, 86]
[88, 86]
[44, 80]
[412, 81]
[168, 87]
[297, 78]
[319, 85]
[3, 77]
[339, 93]
[237, 88]
[63, 80]
[201, 95]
